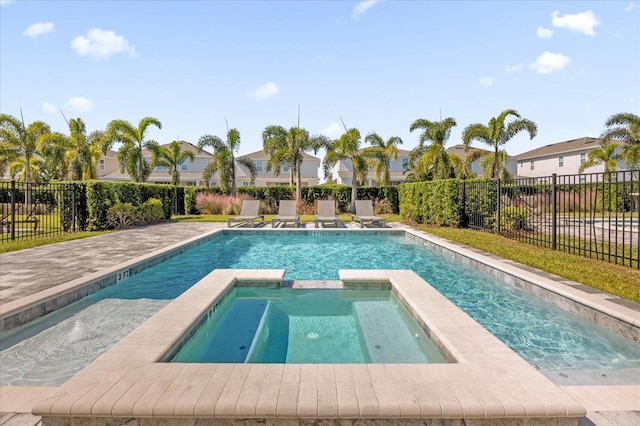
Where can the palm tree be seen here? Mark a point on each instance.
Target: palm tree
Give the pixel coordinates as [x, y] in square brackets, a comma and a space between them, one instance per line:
[8, 154]
[429, 158]
[380, 153]
[347, 147]
[497, 133]
[487, 160]
[606, 155]
[624, 128]
[84, 152]
[22, 140]
[287, 148]
[224, 161]
[170, 157]
[133, 142]
[54, 149]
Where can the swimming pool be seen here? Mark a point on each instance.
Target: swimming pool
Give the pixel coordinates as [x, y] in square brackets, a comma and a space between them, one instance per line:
[547, 337]
[326, 326]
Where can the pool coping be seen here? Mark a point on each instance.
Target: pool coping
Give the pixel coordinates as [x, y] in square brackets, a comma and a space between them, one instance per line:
[488, 379]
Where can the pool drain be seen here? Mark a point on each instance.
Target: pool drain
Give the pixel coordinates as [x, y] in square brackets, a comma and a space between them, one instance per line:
[312, 336]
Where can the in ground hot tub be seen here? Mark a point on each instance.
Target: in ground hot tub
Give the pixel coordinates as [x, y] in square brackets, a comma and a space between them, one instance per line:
[324, 326]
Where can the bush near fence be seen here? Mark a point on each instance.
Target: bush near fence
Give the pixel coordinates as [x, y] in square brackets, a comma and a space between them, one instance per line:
[101, 196]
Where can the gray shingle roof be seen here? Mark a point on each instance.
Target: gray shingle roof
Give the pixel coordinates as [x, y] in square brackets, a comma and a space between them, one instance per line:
[581, 144]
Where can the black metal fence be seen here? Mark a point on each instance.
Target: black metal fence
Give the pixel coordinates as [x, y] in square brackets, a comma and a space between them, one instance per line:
[595, 215]
[29, 210]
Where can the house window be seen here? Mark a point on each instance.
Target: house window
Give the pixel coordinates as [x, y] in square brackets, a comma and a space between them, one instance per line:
[160, 168]
[583, 179]
[101, 164]
[245, 183]
[259, 166]
[583, 157]
[561, 161]
[285, 168]
[532, 165]
[184, 165]
[405, 162]
[521, 163]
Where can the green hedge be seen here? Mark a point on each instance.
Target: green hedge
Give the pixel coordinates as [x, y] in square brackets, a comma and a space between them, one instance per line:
[434, 202]
[101, 196]
[66, 196]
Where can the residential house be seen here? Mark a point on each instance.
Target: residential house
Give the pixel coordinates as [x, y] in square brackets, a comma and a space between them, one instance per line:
[308, 171]
[463, 153]
[190, 172]
[562, 158]
[341, 172]
[107, 164]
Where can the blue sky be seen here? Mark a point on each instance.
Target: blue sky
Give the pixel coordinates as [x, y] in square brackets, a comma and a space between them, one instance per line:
[377, 65]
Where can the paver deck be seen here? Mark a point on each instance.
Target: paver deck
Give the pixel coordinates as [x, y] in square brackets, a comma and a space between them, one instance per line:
[29, 272]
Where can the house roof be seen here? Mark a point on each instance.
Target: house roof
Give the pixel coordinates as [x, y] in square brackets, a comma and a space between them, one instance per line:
[261, 155]
[461, 152]
[581, 144]
[185, 146]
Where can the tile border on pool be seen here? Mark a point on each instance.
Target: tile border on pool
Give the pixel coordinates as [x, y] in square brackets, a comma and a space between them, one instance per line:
[488, 380]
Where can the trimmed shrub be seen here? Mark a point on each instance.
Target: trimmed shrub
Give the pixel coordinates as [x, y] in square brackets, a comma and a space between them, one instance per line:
[434, 202]
[121, 216]
[150, 212]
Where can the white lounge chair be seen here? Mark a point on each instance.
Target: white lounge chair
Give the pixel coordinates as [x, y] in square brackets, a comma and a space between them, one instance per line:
[248, 214]
[286, 213]
[326, 213]
[364, 214]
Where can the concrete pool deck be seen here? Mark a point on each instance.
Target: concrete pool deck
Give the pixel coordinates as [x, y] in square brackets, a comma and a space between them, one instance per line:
[27, 273]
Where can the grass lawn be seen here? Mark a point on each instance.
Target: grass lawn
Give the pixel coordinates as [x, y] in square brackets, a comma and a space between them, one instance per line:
[9, 246]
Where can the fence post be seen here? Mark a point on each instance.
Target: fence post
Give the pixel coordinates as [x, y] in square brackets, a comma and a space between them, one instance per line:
[13, 209]
[554, 212]
[463, 205]
[73, 206]
[498, 212]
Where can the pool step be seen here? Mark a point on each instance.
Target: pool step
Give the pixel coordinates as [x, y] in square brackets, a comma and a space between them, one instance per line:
[313, 284]
[231, 338]
[392, 342]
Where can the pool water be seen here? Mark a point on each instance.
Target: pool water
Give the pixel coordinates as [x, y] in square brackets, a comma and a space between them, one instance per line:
[547, 337]
[310, 326]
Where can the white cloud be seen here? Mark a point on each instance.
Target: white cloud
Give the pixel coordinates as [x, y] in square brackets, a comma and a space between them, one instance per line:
[514, 68]
[486, 81]
[5, 2]
[583, 22]
[265, 91]
[41, 28]
[48, 108]
[334, 131]
[100, 44]
[362, 7]
[630, 7]
[549, 62]
[544, 32]
[79, 104]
